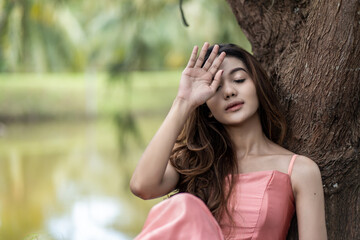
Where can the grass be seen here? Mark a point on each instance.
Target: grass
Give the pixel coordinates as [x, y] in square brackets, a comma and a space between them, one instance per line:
[73, 95]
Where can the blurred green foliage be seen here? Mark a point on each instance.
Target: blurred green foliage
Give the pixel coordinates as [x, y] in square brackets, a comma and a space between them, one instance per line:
[109, 35]
[39, 97]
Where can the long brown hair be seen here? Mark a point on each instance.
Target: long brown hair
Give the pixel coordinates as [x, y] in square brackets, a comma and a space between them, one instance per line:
[204, 155]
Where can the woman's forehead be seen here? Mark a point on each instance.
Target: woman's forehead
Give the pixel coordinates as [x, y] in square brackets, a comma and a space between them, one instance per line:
[232, 63]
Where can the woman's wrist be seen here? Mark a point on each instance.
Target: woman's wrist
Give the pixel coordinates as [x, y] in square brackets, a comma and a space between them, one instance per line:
[182, 107]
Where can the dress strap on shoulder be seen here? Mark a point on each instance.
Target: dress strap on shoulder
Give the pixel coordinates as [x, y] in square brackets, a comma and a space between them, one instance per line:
[291, 164]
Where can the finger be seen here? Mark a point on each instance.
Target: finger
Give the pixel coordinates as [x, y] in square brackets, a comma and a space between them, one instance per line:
[211, 58]
[192, 59]
[216, 64]
[202, 54]
[217, 79]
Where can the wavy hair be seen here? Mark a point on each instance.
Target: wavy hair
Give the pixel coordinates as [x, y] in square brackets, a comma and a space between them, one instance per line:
[204, 155]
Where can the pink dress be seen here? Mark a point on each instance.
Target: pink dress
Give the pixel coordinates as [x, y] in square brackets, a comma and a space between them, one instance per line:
[262, 206]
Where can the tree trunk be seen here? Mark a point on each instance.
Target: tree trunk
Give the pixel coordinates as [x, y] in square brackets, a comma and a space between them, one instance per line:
[312, 51]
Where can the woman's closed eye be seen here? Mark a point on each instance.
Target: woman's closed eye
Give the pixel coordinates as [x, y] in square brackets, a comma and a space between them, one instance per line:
[239, 80]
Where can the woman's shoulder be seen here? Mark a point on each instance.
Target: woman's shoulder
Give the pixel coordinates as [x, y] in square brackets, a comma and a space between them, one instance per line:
[305, 172]
[304, 163]
[304, 166]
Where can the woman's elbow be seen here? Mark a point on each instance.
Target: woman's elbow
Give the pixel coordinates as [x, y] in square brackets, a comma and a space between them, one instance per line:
[139, 190]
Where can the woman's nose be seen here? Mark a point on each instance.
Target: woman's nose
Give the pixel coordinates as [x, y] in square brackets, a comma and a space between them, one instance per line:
[229, 92]
[228, 96]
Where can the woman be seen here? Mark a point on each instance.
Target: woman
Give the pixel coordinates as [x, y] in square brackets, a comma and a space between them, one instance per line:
[218, 147]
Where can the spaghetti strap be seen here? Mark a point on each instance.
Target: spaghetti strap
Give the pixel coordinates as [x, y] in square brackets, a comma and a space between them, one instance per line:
[291, 164]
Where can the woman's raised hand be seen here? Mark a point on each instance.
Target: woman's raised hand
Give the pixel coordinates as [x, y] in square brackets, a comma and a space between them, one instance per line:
[197, 83]
[154, 176]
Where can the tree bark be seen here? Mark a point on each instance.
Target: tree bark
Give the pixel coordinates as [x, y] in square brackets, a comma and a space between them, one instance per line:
[312, 51]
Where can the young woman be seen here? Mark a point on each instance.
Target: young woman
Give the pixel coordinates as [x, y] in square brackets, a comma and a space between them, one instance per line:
[219, 147]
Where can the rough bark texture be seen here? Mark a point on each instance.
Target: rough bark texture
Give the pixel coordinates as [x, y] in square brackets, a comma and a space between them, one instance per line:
[312, 51]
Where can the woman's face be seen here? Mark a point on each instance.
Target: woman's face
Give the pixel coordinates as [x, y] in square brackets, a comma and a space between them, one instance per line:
[235, 100]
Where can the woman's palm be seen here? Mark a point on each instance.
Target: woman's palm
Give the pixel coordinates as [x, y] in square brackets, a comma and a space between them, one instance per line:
[199, 81]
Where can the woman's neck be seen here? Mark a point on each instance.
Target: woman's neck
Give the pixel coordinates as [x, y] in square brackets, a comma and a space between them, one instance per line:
[248, 137]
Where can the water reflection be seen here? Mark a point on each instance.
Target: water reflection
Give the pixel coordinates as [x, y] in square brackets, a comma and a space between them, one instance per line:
[90, 218]
[69, 180]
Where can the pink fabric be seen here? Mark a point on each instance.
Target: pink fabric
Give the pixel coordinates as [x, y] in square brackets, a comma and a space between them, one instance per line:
[181, 217]
[262, 205]
[291, 164]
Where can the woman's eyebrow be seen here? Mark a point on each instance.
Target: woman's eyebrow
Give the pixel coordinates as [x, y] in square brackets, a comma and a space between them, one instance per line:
[237, 69]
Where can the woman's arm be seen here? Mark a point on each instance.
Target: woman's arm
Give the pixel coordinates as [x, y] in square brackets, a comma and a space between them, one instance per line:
[154, 176]
[309, 198]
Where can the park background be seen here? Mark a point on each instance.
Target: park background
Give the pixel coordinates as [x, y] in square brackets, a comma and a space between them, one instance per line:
[84, 85]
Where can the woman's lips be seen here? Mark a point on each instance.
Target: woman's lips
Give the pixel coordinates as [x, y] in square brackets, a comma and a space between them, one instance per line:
[234, 106]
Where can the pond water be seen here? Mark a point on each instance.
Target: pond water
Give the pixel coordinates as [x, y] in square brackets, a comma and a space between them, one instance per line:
[70, 180]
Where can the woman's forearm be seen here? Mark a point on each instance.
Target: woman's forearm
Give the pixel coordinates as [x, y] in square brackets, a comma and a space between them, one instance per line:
[151, 177]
